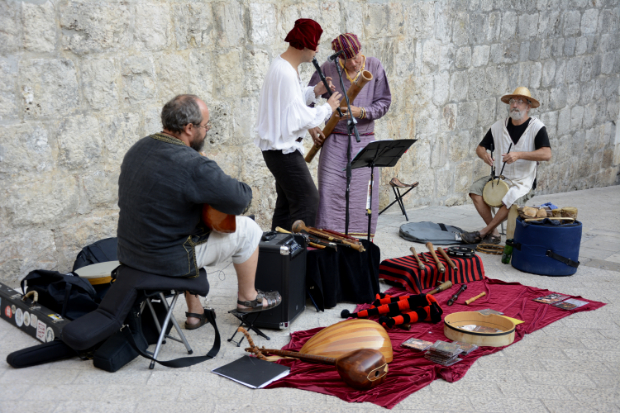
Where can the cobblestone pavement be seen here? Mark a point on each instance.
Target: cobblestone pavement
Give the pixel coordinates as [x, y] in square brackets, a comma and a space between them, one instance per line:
[572, 365]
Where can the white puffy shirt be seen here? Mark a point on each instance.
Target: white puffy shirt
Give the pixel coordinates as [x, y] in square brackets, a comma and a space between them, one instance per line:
[283, 111]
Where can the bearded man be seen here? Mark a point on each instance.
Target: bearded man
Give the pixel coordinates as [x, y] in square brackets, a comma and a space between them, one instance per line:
[522, 142]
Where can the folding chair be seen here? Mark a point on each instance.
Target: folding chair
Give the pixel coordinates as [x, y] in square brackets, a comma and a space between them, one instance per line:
[396, 187]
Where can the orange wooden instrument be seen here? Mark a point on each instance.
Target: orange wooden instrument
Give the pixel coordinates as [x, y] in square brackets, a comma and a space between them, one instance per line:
[299, 226]
[360, 349]
[352, 93]
[415, 254]
[440, 266]
[447, 258]
[216, 220]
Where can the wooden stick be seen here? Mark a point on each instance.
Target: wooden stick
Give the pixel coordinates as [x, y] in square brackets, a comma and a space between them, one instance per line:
[431, 248]
[447, 258]
[415, 254]
[424, 257]
[252, 348]
[471, 300]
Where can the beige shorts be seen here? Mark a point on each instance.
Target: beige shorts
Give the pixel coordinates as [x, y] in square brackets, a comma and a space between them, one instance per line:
[478, 186]
[239, 245]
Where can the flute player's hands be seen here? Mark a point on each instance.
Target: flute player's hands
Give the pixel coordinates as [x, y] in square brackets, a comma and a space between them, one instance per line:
[317, 136]
[320, 89]
[334, 100]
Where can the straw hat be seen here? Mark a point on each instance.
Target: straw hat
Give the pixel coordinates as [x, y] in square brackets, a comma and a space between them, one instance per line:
[521, 92]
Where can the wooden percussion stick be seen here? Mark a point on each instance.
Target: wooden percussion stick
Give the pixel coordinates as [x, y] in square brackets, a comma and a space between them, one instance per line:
[471, 300]
[447, 258]
[431, 248]
[424, 257]
[415, 254]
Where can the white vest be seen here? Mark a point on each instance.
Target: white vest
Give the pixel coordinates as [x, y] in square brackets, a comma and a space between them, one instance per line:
[520, 174]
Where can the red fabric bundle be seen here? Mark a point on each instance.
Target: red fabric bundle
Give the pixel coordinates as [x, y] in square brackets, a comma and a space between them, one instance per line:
[410, 371]
[305, 33]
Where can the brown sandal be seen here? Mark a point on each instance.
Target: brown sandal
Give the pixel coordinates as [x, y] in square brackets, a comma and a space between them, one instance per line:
[202, 320]
[471, 237]
[273, 300]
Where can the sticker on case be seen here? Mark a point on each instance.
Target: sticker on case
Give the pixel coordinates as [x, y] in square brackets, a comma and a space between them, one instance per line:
[41, 327]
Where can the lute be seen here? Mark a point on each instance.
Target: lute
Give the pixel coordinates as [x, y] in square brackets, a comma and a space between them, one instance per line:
[216, 220]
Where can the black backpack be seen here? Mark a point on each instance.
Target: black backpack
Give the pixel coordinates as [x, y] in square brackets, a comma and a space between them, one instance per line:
[101, 251]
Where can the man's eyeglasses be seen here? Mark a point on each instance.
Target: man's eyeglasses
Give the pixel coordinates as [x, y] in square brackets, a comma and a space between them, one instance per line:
[207, 126]
[518, 101]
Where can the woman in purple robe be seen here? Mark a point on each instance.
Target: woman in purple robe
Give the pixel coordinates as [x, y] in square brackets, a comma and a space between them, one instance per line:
[372, 102]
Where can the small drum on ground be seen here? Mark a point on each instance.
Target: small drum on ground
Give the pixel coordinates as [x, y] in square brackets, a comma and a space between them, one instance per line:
[100, 273]
[494, 191]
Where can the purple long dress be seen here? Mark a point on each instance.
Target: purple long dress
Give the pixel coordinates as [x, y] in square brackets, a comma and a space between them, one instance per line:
[375, 97]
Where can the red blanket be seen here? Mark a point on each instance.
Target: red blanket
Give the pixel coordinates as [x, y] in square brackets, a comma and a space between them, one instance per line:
[410, 371]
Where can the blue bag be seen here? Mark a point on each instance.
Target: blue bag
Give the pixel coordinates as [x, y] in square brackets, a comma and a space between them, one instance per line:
[546, 247]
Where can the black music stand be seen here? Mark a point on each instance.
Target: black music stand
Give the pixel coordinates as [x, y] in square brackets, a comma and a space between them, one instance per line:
[384, 153]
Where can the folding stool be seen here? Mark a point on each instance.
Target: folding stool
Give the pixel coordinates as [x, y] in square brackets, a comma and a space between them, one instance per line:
[396, 187]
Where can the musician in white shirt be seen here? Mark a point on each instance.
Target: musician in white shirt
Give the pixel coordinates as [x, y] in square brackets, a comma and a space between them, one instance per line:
[284, 118]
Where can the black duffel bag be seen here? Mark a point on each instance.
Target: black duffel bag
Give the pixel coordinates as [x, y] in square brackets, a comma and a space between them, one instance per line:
[66, 294]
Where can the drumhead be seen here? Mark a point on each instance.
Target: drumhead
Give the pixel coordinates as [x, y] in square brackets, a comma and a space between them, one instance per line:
[99, 273]
[494, 191]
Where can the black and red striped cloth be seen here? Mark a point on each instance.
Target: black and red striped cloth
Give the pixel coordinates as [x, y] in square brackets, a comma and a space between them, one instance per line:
[405, 271]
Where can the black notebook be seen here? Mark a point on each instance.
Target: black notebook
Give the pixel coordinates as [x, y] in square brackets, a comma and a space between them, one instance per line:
[252, 372]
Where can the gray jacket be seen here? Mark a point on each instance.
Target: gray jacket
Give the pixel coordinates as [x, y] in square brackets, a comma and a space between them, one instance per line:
[162, 187]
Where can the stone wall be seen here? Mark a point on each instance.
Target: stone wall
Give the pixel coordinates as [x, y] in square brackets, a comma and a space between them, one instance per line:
[81, 81]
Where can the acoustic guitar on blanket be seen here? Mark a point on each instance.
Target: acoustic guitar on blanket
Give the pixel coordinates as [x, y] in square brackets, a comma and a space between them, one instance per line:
[216, 220]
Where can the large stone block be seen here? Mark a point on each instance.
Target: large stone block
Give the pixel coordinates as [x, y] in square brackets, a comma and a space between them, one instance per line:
[527, 26]
[479, 28]
[194, 25]
[99, 83]
[139, 81]
[569, 46]
[589, 117]
[549, 24]
[589, 21]
[201, 74]
[10, 29]
[573, 69]
[119, 132]
[49, 87]
[509, 26]
[353, 16]
[460, 30]
[548, 73]
[550, 119]
[479, 88]
[459, 147]
[376, 20]
[430, 56]
[449, 116]
[524, 51]
[574, 94]
[581, 45]
[222, 116]
[263, 23]
[152, 26]
[427, 120]
[441, 87]
[459, 85]
[94, 27]
[25, 251]
[39, 22]
[101, 188]
[229, 72]
[420, 20]
[172, 76]
[495, 25]
[535, 75]
[463, 58]
[467, 115]
[331, 20]
[486, 112]
[444, 179]
[76, 233]
[557, 98]
[44, 201]
[9, 105]
[439, 152]
[576, 117]
[79, 142]
[572, 22]
[462, 177]
[444, 15]
[446, 57]
[480, 56]
[607, 63]
[26, 149]
[229, 18]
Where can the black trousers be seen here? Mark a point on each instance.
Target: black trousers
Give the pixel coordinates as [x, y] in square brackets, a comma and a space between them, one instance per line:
[298, 197]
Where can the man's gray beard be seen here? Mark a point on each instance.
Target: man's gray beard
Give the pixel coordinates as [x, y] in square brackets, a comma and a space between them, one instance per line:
[516, 115]
[197, 146]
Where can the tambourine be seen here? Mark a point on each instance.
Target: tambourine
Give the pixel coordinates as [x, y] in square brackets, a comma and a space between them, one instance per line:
[494, 191]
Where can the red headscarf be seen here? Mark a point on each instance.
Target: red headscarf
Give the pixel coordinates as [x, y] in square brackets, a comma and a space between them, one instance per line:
[305, 33]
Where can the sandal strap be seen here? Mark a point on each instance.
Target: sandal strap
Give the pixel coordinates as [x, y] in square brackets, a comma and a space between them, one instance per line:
[200, 316]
